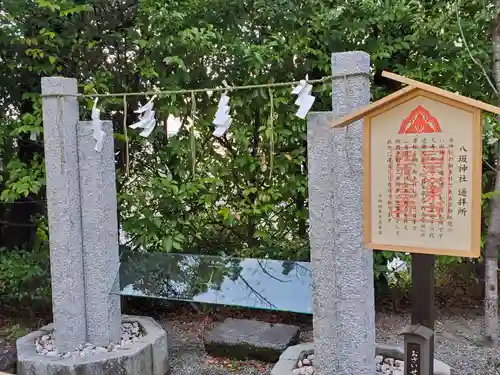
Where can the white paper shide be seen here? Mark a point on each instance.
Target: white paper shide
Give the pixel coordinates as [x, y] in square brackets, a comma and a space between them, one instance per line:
[98, 133]
[304, 98]
[222, 119]
[147, 120]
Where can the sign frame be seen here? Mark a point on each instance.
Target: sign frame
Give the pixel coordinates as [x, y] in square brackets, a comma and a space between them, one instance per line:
[474, 249]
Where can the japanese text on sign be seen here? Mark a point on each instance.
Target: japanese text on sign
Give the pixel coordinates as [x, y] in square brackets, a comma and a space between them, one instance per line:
[421, 176]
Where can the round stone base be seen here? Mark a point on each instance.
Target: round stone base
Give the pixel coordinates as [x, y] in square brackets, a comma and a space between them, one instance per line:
[290, 357]
[148, 356]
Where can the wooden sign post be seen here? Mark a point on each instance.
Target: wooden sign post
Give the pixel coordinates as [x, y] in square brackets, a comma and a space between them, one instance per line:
[422, 190]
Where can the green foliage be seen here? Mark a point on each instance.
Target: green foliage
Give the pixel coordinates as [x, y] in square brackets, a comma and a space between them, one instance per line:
[200, 194]
[24, 275]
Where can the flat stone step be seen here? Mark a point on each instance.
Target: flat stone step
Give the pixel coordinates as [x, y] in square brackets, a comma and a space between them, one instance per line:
[242, 339]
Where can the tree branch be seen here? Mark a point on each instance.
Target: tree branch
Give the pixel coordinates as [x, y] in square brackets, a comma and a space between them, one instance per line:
[490, 82]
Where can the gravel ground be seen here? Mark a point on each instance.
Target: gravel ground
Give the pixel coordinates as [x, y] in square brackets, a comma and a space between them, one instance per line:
[459, 343]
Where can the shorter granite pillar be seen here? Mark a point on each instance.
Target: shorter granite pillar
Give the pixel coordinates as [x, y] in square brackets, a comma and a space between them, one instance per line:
[100, 234]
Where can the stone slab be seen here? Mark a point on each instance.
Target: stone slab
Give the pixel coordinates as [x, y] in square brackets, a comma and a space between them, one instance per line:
[148, 356]
[242, 339]
[288, 360]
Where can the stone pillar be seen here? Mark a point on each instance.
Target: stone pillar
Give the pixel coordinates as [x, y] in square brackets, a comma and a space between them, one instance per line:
[81, 195]
[100, 234]
[343, 291]
[60, 119]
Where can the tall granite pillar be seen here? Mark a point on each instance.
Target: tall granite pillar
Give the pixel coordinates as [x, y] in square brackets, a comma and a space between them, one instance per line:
[81, 195]
[343, 291]
[60, 119]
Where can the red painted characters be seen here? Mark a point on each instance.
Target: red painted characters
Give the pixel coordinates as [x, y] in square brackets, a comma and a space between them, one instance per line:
[420, 172]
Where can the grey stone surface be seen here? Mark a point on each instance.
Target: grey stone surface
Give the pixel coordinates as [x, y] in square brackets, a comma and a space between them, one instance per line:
[144, 357]
[288, 360]
[240, 339]
[60, 117]
[100, 234]
[343, 291]
[157, 337]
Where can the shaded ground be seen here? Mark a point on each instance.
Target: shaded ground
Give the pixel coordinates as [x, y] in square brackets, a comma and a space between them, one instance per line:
[185, 335]
[459, 340]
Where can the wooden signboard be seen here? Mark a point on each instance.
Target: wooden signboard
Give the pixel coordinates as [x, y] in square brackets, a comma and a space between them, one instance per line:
[422, 171]
[422, 190]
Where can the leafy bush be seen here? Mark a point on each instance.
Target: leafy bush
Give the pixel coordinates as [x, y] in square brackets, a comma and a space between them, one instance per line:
[244, 194]
[24, 276]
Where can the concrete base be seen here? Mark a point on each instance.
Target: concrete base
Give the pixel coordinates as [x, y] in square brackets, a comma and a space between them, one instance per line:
[148, 356]
[288, 360]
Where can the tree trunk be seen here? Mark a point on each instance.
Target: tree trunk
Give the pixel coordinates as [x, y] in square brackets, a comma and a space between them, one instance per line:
[493, 236]
[253, 219]
[491, 265]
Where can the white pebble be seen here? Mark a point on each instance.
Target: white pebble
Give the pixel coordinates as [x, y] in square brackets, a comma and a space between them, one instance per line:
[379, 359]
[310, 357]
[309, 370]
[296, 371]
[306, 362]
[399, 363]
[46, 344]
[389, 361]
[397, 372]
[299, 365]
